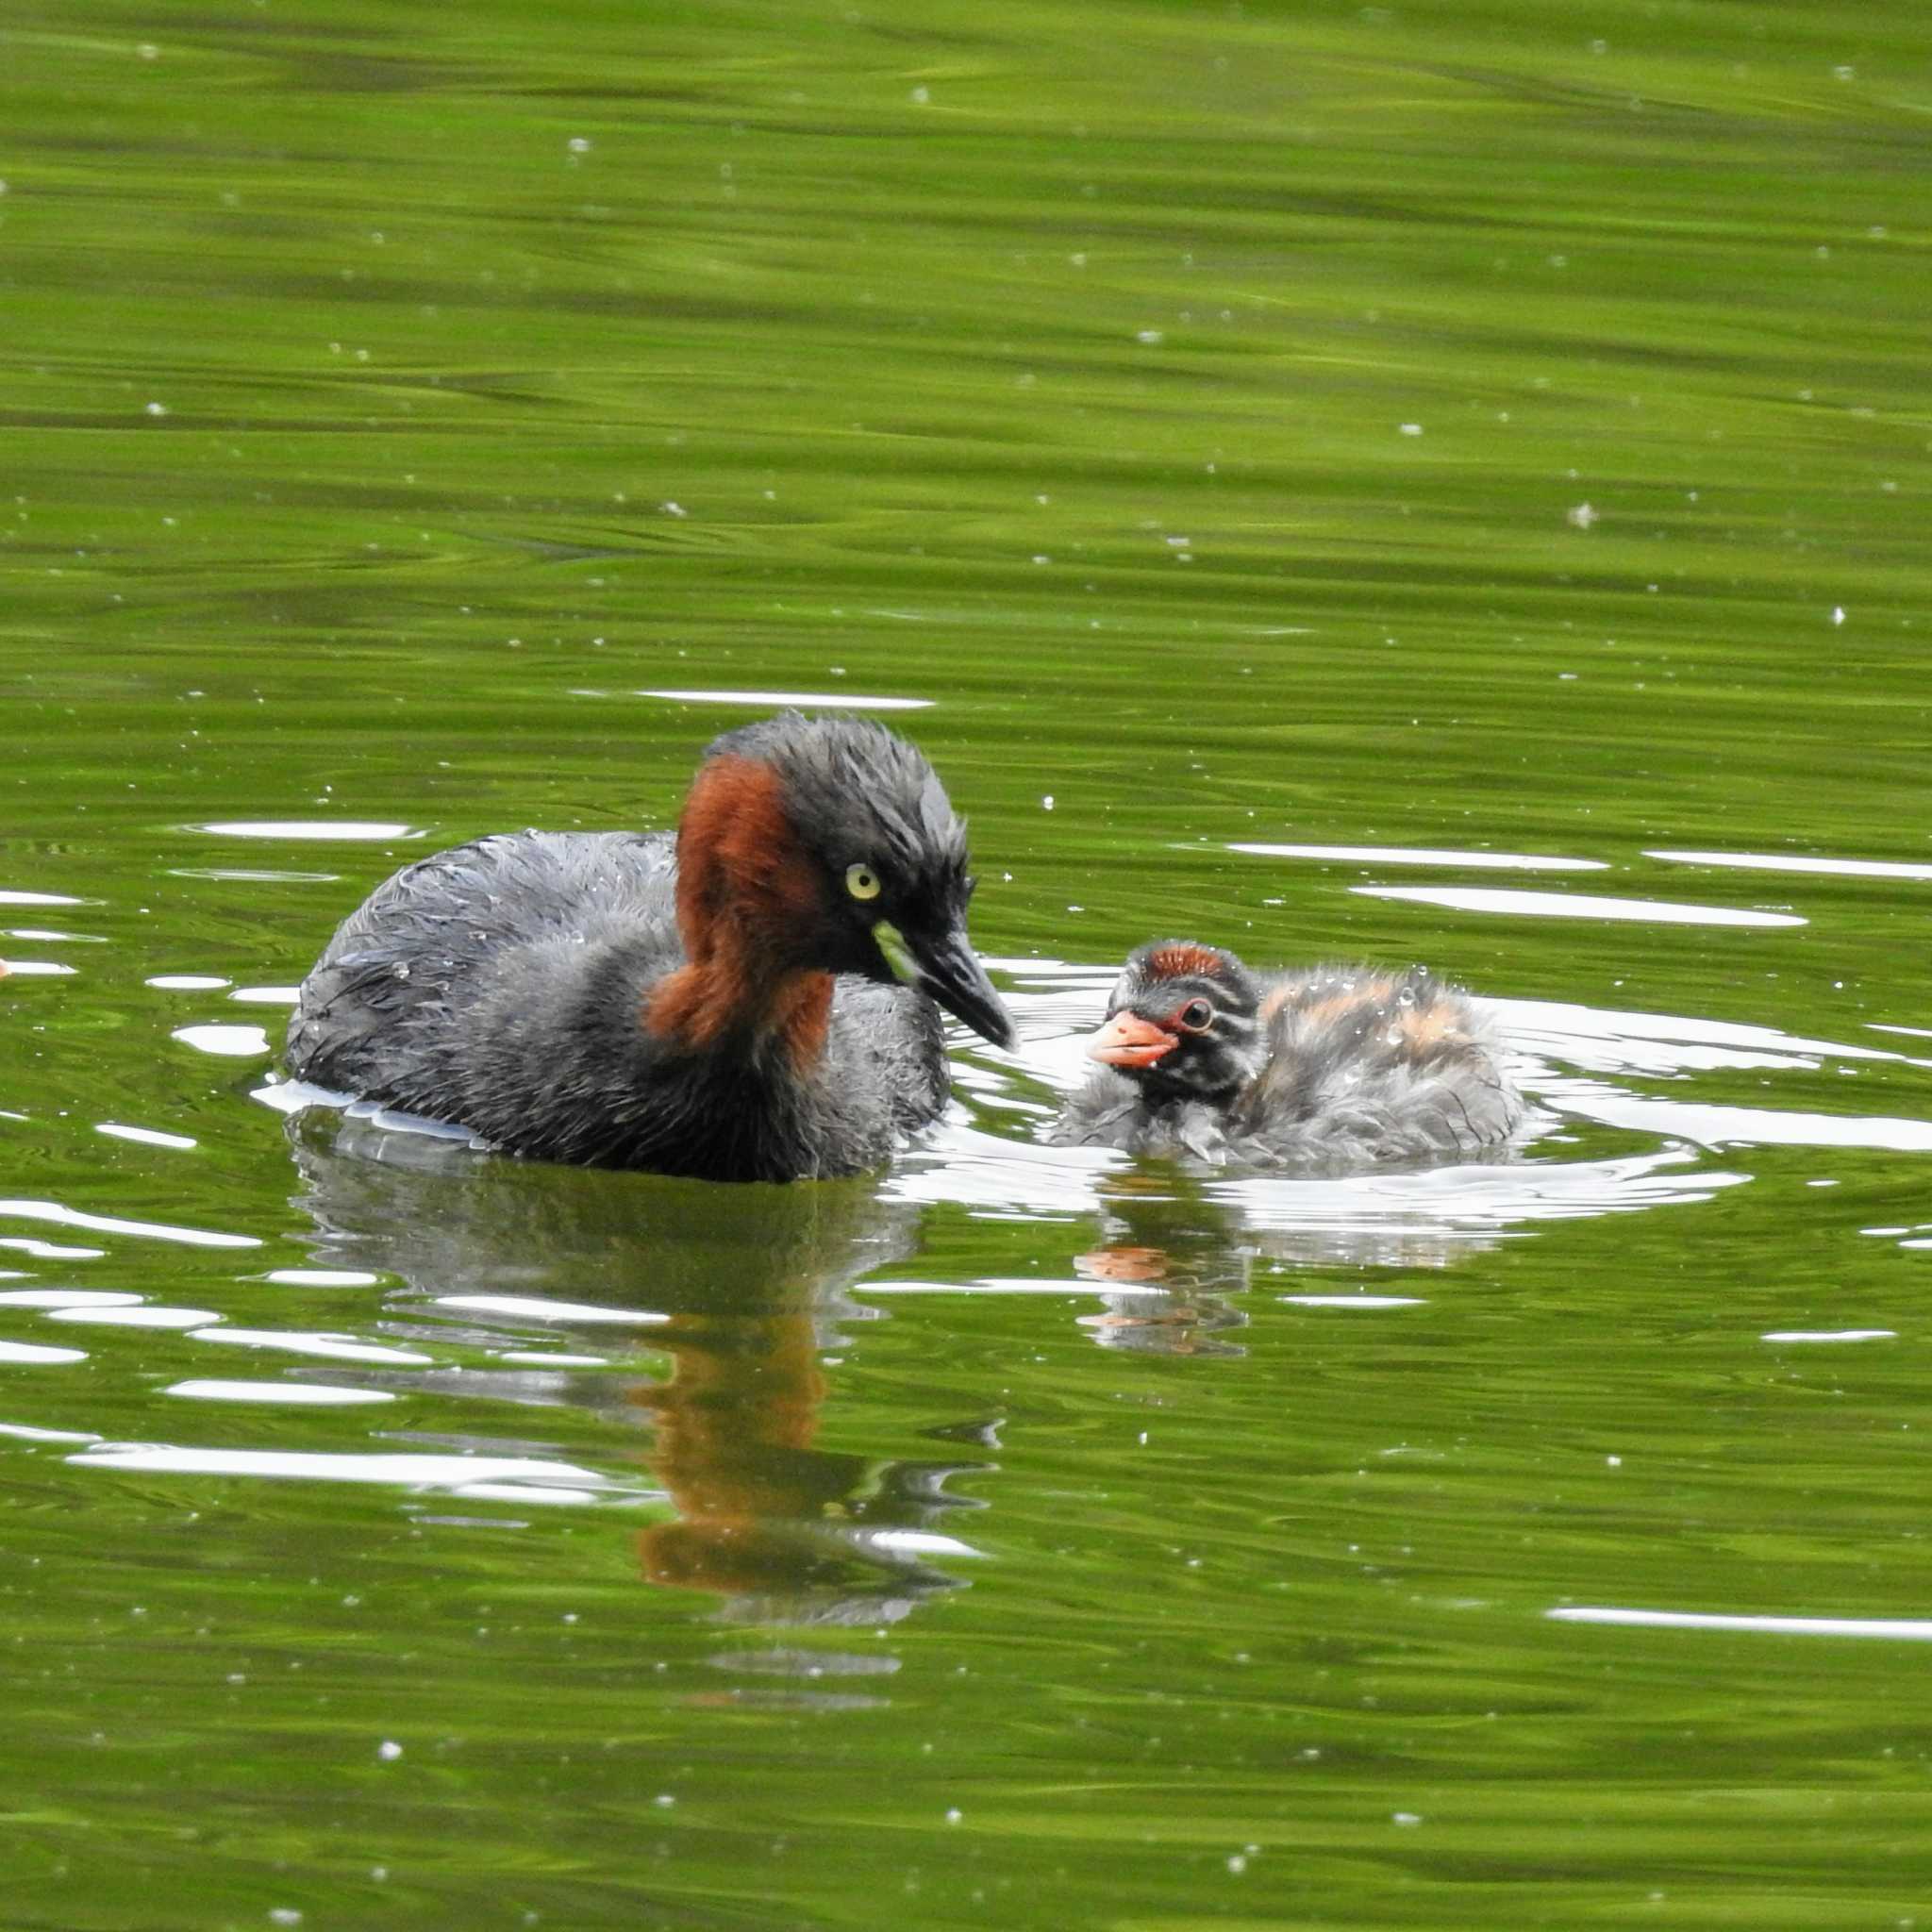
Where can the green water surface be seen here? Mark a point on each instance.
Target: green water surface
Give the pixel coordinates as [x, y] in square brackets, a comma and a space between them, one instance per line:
[1485, 448]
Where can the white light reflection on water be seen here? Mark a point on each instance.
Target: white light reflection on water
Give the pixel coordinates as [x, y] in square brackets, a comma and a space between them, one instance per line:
[1354, 1301]
[1909, 1629]
[1605, 1040]
[1427, 1217]
[108, 1224]
[1424, 855]
[288, 1395]
[1777, 861]
[989, 1284]
[237, 1042]
[1656, 1045]
[917, 1542]
[308, 829]
[1577, 905]
[531, 1308]
[146, 1137]
[816, 700]
[67, 1298]
[1416, 1218]
[297, 1097]
[1810, 1335]
[520, 1478]
[252, 876]
[555, 1496]
[1711, 1126]
[141, 1315]
[342, 1348]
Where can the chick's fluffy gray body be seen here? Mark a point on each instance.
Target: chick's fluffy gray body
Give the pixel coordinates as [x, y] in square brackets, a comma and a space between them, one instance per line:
[1354, 1068]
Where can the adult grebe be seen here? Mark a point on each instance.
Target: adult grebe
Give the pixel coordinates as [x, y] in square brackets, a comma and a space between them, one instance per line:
[721, 1004]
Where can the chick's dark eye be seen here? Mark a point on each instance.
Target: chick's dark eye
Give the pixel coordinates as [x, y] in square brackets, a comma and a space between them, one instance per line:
[1197, 1016]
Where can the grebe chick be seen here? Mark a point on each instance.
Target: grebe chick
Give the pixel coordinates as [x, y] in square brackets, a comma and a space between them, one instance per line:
[721, 1005]
[1331, 1067]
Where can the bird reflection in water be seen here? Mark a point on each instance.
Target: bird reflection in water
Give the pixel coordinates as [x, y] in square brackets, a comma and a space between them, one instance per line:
[783, 1530]
[1165, 1262]
[751, 1289]
[1175, 1242]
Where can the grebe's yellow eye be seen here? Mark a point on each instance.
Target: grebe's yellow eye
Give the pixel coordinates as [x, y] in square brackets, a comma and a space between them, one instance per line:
[862, 882]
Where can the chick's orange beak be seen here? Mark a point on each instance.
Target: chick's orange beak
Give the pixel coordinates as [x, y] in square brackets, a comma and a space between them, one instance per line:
[1128, 1041]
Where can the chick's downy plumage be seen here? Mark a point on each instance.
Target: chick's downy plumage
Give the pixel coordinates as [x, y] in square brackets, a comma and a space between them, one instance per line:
[719, 1005]
[1323, 1070]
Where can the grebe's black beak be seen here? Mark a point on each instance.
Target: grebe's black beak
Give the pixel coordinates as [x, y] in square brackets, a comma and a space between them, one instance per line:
[942, 965]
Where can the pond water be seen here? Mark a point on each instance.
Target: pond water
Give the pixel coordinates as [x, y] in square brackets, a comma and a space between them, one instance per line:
[1337, 481]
